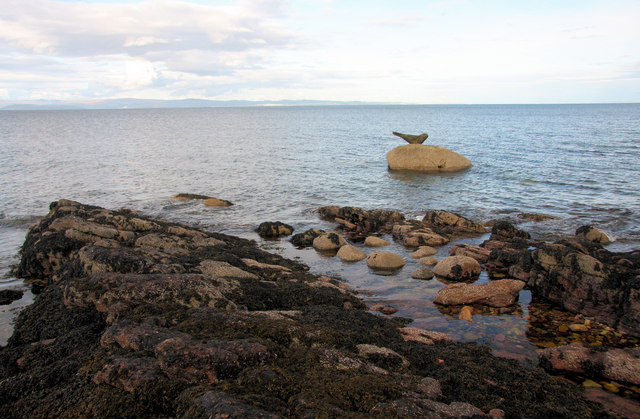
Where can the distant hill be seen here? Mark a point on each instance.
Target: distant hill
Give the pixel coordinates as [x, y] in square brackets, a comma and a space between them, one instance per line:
[158, 104]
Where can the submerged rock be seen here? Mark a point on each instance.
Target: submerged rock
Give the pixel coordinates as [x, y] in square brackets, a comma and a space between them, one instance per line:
[614, 364]
[428, 260]
[422, 273]
[215, 202]
[426, 158]
[423, 251]
[190, 196]
[466, 313]
[373, 241]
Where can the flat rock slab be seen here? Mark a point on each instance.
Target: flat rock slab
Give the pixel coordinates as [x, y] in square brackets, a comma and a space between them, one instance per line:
[500, 293]
[426, 158]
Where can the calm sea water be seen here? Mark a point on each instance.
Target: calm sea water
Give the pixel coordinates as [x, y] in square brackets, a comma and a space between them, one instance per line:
[577, 163]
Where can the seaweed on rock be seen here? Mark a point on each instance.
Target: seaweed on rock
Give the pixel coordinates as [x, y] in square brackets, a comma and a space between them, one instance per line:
[185, 323]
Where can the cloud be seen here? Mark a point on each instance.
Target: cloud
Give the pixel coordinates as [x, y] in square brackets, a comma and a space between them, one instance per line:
[409, 51]
[130, 42]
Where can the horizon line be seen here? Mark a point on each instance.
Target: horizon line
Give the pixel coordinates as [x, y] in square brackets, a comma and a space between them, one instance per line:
[140, 103]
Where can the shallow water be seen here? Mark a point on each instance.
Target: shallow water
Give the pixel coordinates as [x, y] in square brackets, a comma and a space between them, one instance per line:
[576, 163]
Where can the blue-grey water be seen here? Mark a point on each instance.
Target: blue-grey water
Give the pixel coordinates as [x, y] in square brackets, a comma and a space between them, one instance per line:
[577, 163]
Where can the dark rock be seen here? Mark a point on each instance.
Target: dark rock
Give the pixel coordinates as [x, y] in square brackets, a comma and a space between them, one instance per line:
[365, 221]
[9, 296]
[504, 230]
[585, 278]
[448, 223]
[306, 239]
[274, 229]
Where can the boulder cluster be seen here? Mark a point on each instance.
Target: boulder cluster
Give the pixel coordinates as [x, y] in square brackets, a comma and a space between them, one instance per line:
[436, 228]
[576, 273]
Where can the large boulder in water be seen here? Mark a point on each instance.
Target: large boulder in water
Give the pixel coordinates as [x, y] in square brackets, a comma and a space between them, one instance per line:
[426, 158]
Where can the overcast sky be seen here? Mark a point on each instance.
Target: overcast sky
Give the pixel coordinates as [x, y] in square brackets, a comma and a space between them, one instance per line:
[440, 51]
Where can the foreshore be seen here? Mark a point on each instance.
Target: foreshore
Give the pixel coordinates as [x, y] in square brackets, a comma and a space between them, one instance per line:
[138, 317]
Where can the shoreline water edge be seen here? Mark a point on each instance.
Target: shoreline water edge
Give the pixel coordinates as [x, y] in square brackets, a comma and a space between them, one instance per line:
[135, 316]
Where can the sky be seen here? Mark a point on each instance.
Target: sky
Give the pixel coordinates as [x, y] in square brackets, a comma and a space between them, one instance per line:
[402, 51]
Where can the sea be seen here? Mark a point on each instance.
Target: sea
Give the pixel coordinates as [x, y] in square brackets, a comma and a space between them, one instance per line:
[577, 164]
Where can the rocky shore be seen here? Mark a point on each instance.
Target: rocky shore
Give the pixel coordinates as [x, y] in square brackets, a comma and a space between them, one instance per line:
[138, 317]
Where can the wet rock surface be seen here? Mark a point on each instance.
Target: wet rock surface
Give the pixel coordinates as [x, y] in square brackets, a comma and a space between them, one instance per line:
[143, 318]
[458, 268]
[306, 239]
[616, 364]
[359, 220]
[274, 229]
[445, 222]
[426, 158]
[9, 296]
[592, 234]
[499, 293]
